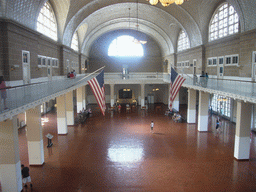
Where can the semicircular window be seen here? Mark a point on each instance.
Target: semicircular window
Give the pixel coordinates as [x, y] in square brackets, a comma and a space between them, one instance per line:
[125, 46]
[46, 22]
[183, 41]
[224, 22]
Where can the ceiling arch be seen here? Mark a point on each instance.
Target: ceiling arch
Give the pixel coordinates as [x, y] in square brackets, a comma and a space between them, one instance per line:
[153, 31]
[152, 20]
[192, 16]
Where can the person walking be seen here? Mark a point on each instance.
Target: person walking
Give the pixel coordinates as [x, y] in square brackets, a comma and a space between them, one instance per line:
[151, 127]
[217, 124]
[25, 176]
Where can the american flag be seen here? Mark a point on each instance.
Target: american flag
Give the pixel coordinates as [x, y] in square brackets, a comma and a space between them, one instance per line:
[176, 82]
[97, 86]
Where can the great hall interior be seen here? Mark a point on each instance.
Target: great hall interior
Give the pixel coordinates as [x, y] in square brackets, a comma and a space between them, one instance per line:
[136, 43]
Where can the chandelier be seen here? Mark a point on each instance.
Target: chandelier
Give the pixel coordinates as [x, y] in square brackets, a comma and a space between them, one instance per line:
[166, 3]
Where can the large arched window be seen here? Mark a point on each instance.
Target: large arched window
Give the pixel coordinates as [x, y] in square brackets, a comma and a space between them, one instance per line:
[74, 42]
[225, 21]
[125, 46]
[46, 22]
[183, 41]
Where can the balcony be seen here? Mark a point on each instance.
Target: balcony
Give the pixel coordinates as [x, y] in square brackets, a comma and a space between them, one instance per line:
[23, 97]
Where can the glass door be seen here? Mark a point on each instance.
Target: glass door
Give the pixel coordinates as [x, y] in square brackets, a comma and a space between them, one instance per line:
[49, 68]
[26, 66]
[220, 68]
[254, 66]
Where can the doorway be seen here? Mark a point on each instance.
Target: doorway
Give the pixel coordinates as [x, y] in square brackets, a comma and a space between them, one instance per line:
[220, 67]
[26, 66]
[194, 67]
[253, 65]
[49, 68]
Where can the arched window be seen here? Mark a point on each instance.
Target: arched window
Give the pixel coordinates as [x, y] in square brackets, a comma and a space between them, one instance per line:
[183, 41]
[125, 46]
[225, 21]
[74, 42]
[46, 22]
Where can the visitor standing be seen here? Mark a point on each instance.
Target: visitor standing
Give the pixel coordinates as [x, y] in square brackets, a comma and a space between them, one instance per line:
[25, 176]
[218, 124]
[74, 72]
[151, 127]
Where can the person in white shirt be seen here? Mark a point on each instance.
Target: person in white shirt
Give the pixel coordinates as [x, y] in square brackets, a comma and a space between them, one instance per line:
[151, 127]
[74, 72]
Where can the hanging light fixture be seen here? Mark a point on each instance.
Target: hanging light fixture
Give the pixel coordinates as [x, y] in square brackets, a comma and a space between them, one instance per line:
[153, 2]
[139, 41]
[179, 2]
[166, 3]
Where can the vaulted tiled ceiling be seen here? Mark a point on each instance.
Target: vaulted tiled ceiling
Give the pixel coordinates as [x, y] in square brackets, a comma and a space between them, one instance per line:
[93, 18]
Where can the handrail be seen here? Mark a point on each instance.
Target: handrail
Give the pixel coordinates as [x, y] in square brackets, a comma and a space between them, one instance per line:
[10, 87]
[30, 94]
[233, 80]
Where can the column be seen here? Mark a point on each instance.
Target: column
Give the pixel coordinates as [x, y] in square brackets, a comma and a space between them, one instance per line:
[61, 115]
[35, 136]
[191, 113]
[84, 97]
[112, 95]
[243, 130]
[70, 108]
[203, 111]
[142, 93]
[79, 99]
[176, 102]
[10, 169]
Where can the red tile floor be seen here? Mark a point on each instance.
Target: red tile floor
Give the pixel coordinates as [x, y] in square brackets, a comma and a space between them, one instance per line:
[118, 153]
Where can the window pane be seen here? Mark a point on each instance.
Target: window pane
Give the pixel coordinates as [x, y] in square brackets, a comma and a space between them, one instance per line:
[39, 60]
[220, 61]
[224, 22]
[46, 22]
[183, 41]
[125, 46]
[74, 43]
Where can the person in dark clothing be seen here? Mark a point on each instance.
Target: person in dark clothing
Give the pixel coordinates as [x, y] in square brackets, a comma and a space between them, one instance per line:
[25, 176]
[218, 124]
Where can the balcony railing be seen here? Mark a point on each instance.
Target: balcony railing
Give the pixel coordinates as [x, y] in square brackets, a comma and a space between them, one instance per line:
[19, 96]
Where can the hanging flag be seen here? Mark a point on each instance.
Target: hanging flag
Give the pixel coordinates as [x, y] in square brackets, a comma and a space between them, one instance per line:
[97, 86]
[176, 82]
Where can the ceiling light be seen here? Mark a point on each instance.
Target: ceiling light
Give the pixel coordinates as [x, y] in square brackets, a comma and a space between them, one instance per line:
[166, 3]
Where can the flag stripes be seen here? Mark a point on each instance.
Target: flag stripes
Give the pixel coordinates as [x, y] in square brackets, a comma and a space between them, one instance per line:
[176, 82]
[98, 91]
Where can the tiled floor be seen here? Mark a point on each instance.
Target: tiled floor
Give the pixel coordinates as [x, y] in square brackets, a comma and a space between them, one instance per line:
[117, 153]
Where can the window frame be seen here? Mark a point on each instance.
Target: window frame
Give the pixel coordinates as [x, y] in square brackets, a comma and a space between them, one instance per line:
[187, 64]
[231, 60]
[55, 63]
[76, 48]
[183, 42]
[194, 62]
[221, 25]
[212, 59]
[41, 23]
[43, 60]
[221, 57]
